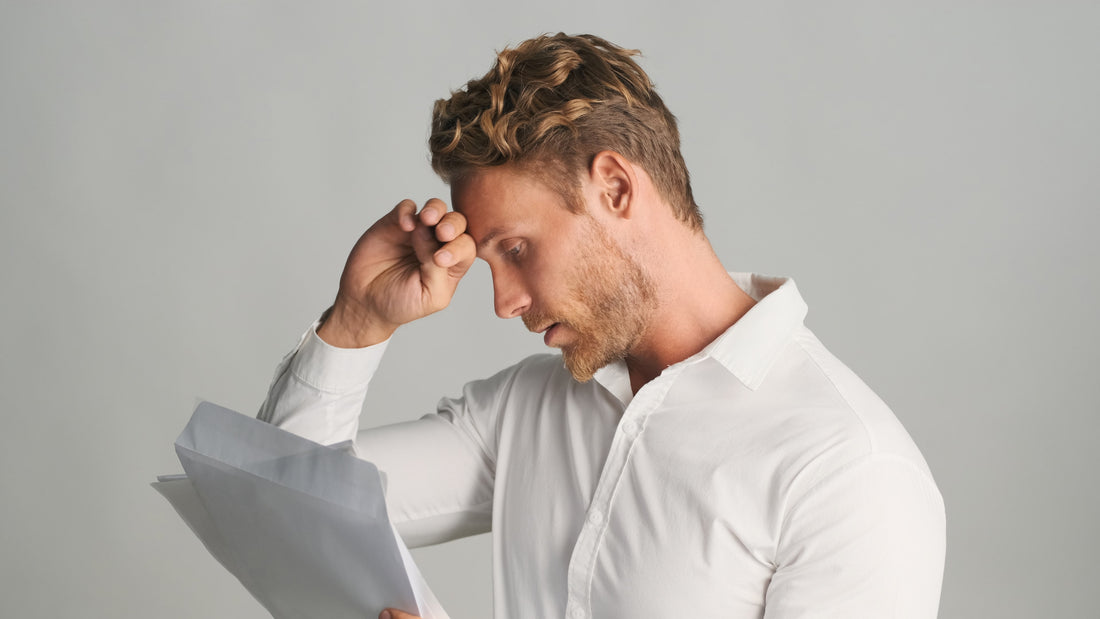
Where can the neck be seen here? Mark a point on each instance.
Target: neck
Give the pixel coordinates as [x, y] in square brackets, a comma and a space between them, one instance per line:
[697, 301]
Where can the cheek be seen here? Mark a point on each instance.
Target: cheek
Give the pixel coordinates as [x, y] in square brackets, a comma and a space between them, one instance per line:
[544, 280]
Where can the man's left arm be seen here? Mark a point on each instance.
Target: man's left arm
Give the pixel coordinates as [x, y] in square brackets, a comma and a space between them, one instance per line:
[867, 541]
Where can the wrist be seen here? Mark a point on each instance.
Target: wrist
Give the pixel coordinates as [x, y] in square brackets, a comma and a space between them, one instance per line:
[344, 327]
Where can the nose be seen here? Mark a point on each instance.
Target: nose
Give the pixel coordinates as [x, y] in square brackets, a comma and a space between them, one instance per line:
[510, 296]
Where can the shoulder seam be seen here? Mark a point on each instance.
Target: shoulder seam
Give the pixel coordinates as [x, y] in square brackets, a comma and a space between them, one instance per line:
[872, 445]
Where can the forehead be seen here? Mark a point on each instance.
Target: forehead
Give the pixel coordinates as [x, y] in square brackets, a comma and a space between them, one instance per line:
[503, 197]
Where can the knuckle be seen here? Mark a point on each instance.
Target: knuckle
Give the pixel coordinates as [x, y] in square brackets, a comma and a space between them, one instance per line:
[403, 208]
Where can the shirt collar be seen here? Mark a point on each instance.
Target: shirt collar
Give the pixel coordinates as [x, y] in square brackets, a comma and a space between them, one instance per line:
[750, 346]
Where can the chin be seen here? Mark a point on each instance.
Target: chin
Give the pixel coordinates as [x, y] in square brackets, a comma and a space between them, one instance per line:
[584, 366]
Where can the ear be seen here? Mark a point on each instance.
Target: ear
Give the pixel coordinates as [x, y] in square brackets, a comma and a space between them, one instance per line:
[613, 177]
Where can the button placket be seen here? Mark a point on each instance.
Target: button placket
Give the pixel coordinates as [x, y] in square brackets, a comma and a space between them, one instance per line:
[583, 561]
[595, 517]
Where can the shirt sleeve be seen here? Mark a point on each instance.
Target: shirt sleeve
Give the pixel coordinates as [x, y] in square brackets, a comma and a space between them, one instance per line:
[439, 468]
[318, 389]
[866, 542]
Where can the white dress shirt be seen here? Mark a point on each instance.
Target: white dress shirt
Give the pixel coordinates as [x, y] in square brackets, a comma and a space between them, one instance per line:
[758, 478]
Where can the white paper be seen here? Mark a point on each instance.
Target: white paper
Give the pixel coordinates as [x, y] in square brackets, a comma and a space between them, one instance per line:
[302, 526]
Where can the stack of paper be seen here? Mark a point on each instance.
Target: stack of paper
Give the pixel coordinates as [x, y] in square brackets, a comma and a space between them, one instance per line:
[302, 526]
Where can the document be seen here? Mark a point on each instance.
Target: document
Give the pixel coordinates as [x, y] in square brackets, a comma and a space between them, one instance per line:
[303, 526]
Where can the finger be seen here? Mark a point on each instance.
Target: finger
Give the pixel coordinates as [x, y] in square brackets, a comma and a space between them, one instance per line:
[457, 255]
[424, 243]
[448, 228]
[440, 277]
[393, 613]
[392, 229]
[404, 215]
[432, 212]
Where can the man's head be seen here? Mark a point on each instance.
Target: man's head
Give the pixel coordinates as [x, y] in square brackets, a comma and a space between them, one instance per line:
[566, 165]
[548, 106]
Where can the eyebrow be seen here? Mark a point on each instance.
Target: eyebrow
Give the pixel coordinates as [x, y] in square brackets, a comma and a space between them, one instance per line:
[492, 234]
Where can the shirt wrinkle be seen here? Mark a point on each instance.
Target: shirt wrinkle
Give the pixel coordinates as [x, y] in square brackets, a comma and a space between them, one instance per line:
[464, 425]
[324, 389]
[429, 514]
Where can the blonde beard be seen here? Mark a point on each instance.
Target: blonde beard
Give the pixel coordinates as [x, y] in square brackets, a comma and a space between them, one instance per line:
[610, 301]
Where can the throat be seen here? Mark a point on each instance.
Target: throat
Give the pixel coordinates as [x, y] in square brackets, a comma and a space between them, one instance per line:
[674, 336]
[641, 374]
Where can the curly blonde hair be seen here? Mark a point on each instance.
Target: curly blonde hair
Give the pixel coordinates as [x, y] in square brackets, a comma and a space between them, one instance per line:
[551, 104]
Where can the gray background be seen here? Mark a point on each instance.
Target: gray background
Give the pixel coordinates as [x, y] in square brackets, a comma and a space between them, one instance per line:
[180, 183]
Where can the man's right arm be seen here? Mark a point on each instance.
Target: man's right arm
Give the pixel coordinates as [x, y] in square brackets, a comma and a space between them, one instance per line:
[406, 266]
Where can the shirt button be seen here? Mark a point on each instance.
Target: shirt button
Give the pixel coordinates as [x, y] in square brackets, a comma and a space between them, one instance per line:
[577, 612]
[595, 517]
[630, 428]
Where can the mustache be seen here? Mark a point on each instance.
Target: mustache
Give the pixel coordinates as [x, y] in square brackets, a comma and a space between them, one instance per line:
[535, 320]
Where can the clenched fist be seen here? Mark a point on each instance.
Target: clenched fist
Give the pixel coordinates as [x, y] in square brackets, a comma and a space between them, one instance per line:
[406, 266]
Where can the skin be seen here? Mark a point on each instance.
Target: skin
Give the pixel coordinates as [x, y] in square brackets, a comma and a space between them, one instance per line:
[408, 264]
[626, 264]
[561, 272]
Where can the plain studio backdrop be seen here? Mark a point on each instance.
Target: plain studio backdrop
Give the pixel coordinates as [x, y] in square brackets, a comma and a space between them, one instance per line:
[181, 181]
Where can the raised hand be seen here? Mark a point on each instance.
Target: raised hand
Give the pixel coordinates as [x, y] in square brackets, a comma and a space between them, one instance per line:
[406, 266]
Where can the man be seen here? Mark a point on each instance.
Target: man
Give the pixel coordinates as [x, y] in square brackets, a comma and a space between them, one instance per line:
[700, 453]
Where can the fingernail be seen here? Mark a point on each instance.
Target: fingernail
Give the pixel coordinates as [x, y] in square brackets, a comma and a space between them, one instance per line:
[444, 258]
[385, 615]
[445, 230]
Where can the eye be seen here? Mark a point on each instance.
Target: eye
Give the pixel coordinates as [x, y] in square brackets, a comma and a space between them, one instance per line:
[514, 250]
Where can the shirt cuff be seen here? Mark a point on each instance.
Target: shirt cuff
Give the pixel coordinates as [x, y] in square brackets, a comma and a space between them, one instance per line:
[331, 369]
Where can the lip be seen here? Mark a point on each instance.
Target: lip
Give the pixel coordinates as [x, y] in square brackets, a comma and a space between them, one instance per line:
[549, 332]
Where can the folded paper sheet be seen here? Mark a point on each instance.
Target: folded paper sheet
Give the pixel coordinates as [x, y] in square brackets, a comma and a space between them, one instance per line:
[302, 526]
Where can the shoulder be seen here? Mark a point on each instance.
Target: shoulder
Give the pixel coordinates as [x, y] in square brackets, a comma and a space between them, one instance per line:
[855, 406]
[823, 420]
[845, 465]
